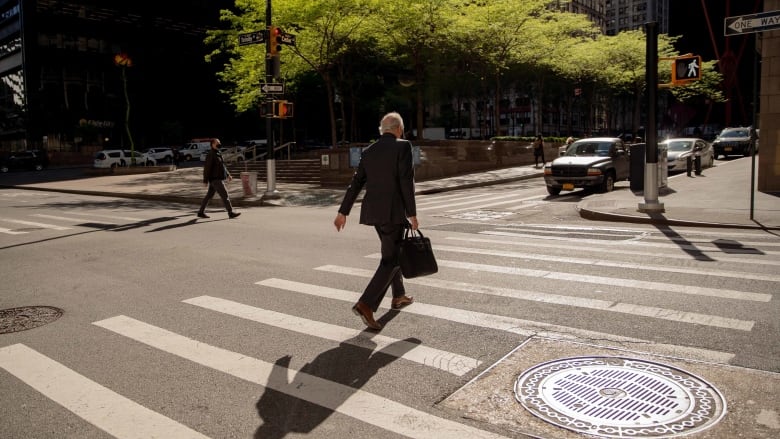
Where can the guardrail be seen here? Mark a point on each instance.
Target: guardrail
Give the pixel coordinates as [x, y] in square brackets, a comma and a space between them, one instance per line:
[263, 151]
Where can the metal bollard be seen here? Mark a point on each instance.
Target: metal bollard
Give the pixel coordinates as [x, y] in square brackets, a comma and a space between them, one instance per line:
[697, 165]
[688, 165]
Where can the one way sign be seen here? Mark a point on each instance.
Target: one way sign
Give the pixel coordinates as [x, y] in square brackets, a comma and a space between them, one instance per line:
[745, 24]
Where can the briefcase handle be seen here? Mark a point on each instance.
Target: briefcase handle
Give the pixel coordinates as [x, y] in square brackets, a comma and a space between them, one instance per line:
[413, 232]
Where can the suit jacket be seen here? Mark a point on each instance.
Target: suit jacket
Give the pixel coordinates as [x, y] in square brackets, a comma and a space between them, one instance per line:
[214, 168]
[387, 173]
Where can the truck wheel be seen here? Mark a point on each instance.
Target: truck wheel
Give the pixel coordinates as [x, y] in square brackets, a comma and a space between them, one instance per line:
[553, 190]
[609, 182]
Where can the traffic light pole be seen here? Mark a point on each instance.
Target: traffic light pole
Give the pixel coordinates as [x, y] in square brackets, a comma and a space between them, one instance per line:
[270, 161]
[651, 204]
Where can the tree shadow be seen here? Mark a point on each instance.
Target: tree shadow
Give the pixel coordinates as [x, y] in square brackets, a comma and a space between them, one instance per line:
[349, 365]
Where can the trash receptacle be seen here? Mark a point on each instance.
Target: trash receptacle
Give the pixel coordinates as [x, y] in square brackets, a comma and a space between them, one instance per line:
[663, 164]
[637, 167]
[249, 183]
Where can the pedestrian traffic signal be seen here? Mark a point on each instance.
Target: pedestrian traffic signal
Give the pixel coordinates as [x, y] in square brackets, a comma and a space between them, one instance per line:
[686, 68]
[274, 40]
[282, 109]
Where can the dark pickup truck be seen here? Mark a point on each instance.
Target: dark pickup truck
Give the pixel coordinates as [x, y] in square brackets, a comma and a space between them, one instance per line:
[588, 163]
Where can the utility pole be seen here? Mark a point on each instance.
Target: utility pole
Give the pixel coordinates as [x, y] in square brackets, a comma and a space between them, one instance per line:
[650, 191]
[270, 161]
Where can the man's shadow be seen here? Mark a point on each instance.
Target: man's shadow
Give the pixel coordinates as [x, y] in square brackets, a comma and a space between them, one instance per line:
[346, 364]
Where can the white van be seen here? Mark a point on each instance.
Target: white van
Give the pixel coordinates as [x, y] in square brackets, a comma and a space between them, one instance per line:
[193, 150]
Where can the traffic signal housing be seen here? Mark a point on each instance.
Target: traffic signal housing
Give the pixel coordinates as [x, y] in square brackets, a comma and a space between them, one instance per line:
[274, 40]
[282, 109]
[685, 69]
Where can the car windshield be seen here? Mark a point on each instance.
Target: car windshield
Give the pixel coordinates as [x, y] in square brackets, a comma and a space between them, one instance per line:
[588, 149]
[679, 145]
[734, 133]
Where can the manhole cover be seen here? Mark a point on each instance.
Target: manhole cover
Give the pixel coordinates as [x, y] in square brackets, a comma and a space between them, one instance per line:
[27, 317]
[619, 397]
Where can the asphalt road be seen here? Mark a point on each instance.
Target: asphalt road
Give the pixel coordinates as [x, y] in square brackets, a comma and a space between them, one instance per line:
[237, 328]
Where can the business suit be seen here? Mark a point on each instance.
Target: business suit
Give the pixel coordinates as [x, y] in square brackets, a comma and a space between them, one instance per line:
[387, 173]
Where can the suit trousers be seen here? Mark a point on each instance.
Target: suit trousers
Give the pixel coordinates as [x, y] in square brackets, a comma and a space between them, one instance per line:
[389, 271]
[217, 186]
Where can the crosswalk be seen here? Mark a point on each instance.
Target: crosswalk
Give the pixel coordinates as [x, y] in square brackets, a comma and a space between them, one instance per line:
[506, 262]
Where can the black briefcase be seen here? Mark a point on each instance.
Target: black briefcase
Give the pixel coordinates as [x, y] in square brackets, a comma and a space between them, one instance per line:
[416, 257]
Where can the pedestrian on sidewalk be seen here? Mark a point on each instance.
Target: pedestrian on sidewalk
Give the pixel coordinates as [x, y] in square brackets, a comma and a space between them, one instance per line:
[386, 171]
[539, 151]
[214, 175]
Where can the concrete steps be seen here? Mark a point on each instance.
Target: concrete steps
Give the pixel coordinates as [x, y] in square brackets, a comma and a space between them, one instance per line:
[290, 171]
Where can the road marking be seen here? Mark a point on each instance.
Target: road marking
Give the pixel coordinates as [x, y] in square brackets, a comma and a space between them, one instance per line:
[525, 328]
[626, 265]
[30, 223]
[556, 299]
[499, 203]
[481, 197]
[101, 407]
[350, 401]
[446, 361]
[75, 220]
[11, 232]
[526, 243]
[91, 214]
[504, 231]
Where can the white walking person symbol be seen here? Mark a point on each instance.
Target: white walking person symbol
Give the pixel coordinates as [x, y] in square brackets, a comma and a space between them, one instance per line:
[693, 68]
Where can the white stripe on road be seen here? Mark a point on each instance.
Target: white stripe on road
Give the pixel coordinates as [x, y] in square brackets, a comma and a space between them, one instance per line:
[101, 407]
[631, 242]
[446, 361]
[91, 214]
[71, 219]
[602, 263]
[11, 232]
[527, 243]
[30, 223]
[526, 328]
[350, 401]
[481, 197]
[499, 203]
[578, 302]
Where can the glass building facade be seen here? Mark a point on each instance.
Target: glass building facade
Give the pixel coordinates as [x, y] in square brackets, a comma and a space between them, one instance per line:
[60, 88]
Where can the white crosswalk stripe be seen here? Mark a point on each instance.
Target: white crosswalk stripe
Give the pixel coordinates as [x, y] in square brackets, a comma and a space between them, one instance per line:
[35, 224]
[107, 410]
[356, 403]
[449, 362]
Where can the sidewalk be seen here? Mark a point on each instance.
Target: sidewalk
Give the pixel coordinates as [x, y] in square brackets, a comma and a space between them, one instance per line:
[720, 197]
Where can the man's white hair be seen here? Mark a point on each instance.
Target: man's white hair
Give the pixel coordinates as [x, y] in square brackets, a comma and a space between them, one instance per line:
[391, 122]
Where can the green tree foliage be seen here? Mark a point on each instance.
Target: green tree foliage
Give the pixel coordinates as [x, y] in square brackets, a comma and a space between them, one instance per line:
[373, 53]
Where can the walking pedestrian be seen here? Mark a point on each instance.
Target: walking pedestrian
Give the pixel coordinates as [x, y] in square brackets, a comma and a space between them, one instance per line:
[539, 151]
[214, 175]
[387, 173]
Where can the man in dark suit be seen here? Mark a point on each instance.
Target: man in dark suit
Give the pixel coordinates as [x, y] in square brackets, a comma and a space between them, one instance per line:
[214, 175]
[387, 173]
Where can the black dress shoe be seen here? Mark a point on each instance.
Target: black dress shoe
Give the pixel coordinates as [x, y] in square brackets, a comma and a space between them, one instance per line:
[234, 214]
[202, 215]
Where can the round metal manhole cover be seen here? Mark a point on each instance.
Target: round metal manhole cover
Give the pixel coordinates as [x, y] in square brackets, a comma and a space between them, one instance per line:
[619, 397]
[27, 317]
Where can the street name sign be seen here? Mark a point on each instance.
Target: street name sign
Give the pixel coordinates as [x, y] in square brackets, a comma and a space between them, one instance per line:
[745, 24]
[288, 39]
[256, 37]
[272, 88]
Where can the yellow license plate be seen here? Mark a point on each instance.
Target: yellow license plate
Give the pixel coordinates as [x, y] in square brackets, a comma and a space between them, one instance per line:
[728, 148]
[568, 187]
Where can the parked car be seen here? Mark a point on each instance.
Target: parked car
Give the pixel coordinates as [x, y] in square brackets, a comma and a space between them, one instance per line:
[112, 158]
[735, 141]
[33, 160]
[229, 155]
[596, 162]
[193, 150]
[162, 154]
[678, 150]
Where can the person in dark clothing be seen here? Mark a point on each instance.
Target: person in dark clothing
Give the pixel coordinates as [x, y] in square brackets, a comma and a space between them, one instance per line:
[214, 175]
[539, 151]
[387, 173]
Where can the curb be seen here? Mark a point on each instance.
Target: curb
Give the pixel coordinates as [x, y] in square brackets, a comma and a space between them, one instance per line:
[659, 219]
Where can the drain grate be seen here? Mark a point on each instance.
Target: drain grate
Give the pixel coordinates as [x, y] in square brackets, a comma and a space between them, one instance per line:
[619, 397]
[27, 317]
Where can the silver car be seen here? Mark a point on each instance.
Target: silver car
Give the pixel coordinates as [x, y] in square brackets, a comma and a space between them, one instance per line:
[679, 149]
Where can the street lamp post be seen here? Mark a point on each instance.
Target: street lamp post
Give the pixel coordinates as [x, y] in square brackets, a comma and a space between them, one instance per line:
[123, 61]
